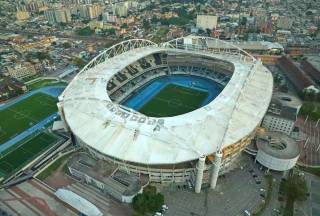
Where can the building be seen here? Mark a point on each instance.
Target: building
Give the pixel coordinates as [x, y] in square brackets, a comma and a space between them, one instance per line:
[207, 22]
[21, 71]
[50, 16]
[195, 146]
[297, 76]
[109, 17]
[277, 151]
[106, 177]
[62, 15]
[284, 22]
[10, 87]
[280, 117]
[121, 9]
[40, 44]
[94, 11]
[22, 15]
[83, 206]
[312, 70]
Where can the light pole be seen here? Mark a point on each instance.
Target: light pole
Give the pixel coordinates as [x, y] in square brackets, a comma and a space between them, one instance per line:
[305, 144]
[305, 121]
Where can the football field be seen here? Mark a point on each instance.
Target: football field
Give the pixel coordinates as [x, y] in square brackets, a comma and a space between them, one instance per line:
[24, 114]
[25, 152]
[174, 100]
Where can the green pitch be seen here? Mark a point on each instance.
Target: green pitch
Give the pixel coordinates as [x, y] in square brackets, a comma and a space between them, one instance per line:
[174, 100]
[21, 116]
[25, 152]
[44, 83]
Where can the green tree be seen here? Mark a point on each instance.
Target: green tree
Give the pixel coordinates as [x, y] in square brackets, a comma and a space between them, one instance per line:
[79, 62]
[148, 201]
[124, 25]
[86, 31]
[154, 19]
[66, 45]
[295, 189]
[146, 24]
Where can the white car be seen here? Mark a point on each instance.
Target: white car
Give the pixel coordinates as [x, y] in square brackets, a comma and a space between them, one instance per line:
[165, 207]
[247, 213]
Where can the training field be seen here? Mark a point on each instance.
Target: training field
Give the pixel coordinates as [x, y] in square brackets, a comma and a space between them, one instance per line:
[174, 100]
[24, 152]
[44, 83]
[24, 114]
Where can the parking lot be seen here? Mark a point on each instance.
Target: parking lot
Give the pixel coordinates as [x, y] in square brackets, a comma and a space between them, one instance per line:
[236, 191]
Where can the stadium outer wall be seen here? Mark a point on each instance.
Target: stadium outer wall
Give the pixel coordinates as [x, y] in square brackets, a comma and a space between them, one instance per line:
[174, 173]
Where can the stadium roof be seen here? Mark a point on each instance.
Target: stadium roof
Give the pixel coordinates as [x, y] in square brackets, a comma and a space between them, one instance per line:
[231, 116]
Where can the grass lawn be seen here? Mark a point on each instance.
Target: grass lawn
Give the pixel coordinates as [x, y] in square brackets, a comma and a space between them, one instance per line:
[21, 116]
[45, 82]
[174, 100]
[26, 151]
[311, 109]
[54, 167]
[29, 78]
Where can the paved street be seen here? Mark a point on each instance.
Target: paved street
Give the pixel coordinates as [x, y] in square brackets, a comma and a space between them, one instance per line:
[235, 192]
[311, 207]
[31, 198]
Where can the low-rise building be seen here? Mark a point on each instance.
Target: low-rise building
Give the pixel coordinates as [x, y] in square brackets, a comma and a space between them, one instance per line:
[21, 70]
[22, 15]
[280, 117]
[207, 21]
[106, 177]
[10, 87]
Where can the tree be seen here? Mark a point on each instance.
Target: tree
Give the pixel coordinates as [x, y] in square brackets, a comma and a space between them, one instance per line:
[66, 45]
[146, 24]
[148, 201]
[295, 189]
[124, 25]
[79, 62]
[85, 31]
[243, 21]
[154, 19]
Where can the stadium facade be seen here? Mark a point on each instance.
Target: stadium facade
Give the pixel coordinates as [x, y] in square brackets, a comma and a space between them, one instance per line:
[196, 146]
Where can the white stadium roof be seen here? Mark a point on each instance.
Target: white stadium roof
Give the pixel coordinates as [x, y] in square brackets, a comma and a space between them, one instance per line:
[231, 116]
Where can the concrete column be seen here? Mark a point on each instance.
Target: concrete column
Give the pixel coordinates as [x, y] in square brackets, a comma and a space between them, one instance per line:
[61, 113]
[285, 174]
[199, 177]
[215, 170]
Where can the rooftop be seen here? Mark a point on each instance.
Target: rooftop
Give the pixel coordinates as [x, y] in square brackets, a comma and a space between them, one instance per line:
[278, 145]
[111, 129]
[106, 173]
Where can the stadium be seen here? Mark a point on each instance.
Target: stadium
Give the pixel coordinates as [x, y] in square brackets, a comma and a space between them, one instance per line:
[178, 111]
